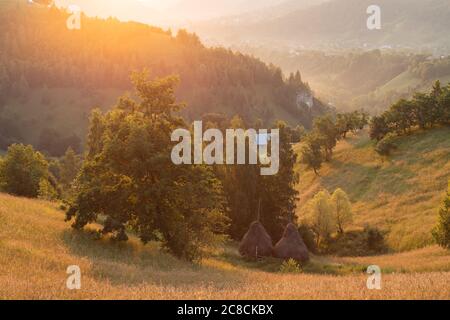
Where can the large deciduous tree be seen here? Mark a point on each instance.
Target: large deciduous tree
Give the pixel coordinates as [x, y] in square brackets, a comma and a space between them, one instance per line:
[129, 178]
[342, 209]
[327, 134]
[311, 153]
[378, 128]
[320, 216]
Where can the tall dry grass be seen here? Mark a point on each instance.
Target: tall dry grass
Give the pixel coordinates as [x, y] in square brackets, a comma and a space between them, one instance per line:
[427, 259]
[36, 247]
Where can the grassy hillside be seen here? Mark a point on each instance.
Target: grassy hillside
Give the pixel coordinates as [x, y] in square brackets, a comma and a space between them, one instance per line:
[341, 76]
[37, 246]
[407, 80]
[400, 194]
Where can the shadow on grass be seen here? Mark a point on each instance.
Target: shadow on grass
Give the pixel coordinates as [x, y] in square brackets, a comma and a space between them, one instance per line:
[360, 140]
[132, 263]
[316, 265]
[357, 180]
[231, 255]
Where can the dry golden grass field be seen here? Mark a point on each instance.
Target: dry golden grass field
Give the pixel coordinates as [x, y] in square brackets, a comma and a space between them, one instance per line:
[37, 246]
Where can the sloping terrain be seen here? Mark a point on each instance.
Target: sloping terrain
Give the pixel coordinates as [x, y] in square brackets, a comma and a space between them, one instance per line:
[51, 76]
[400, 194]
[37, 246]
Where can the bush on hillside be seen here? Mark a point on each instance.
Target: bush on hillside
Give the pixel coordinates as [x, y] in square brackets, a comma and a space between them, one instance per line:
[319, 143]
[386, 145]
[441, 233]
[308, 237]
[47, 191]
[367, 242]
[22, 171]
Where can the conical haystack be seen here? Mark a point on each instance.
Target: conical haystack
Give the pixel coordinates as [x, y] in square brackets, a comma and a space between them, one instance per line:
[291, 245]
[256, 242]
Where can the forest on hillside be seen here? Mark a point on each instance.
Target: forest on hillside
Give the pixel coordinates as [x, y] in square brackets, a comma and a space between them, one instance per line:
[41, 60]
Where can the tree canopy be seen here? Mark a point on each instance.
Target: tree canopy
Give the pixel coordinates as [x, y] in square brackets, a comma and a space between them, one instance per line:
[22, 170]
[424, 110]
[129, 178]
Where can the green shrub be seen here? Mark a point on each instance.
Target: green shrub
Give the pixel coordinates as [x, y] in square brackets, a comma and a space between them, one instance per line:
[47, 191]
[22, 170]
[386, 145]
[308, 237]
[374, 240]
[290, 266]
[367, 242]
[441, 233]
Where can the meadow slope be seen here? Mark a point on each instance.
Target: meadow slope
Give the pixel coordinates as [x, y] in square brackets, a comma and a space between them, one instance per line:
[400, 194]
[37, 246]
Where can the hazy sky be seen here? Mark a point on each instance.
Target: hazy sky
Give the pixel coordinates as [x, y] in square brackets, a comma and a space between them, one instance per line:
[158, 3]
[167, 12]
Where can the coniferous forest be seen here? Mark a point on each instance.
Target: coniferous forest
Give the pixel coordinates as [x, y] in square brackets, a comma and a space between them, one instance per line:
[70, 72]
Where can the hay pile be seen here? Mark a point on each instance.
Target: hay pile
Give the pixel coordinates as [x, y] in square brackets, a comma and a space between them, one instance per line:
[256, 242]
[291, 245]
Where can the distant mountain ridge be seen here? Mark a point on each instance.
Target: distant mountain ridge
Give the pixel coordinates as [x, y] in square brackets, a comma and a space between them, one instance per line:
[200, 9]
[170, 13]
[342, 24]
